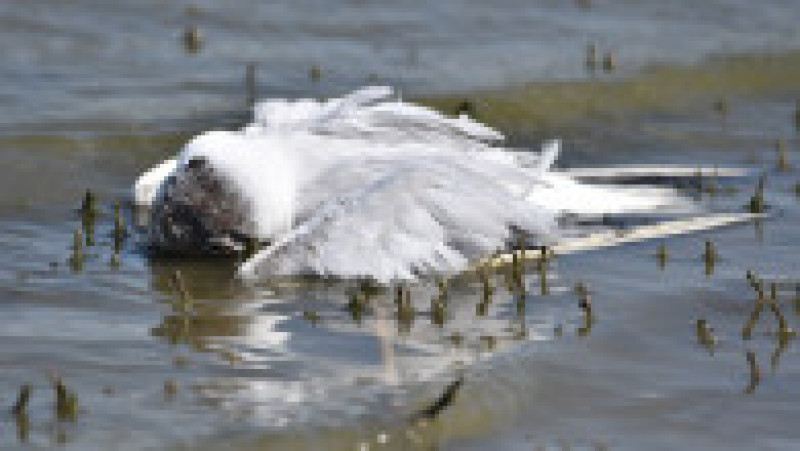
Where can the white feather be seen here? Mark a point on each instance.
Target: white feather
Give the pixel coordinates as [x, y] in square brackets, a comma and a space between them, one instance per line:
[147, 185]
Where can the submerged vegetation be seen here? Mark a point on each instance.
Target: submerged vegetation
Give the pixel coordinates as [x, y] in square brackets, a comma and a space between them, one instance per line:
[661, 89]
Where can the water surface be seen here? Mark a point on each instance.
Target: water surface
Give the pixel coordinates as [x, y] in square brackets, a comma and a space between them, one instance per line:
[92, 94]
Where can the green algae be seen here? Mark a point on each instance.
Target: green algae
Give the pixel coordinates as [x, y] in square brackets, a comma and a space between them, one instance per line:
[548, 105]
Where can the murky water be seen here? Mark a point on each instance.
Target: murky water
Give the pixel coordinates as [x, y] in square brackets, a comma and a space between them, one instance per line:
[92, 94]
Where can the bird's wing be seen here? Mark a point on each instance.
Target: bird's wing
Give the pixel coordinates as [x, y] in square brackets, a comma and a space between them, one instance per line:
[390, 213]
[369, 113]
[391, 218]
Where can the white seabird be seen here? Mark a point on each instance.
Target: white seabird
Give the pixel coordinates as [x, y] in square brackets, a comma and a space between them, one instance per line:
[365, 185]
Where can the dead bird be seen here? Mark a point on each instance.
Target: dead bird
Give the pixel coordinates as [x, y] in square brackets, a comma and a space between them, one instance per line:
[426, 193]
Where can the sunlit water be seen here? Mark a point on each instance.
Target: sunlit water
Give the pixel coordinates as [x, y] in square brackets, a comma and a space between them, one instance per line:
[288, 363]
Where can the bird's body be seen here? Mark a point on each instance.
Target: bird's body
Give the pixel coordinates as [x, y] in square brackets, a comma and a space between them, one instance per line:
[361, 186]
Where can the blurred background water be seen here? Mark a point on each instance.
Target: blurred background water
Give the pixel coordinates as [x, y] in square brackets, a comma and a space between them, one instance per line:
[121, 64]
[94, 92]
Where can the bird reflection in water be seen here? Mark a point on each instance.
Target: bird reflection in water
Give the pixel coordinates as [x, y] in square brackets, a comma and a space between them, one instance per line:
[320, 342]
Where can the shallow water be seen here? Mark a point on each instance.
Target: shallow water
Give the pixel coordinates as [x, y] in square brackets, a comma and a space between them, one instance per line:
[94, 94]
[105, 66]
